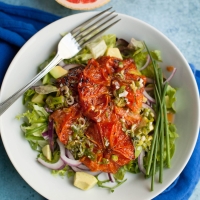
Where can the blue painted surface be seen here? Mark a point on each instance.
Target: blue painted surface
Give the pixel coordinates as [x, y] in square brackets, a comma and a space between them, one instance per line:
[178, 20]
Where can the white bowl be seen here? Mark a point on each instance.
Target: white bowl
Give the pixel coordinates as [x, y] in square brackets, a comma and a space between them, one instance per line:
[24, 67]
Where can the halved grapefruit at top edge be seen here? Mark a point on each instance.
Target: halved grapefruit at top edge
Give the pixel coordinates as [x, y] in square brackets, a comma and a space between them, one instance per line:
[82, 4]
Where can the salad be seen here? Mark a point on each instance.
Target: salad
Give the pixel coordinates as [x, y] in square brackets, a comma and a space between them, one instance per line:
[109, 109]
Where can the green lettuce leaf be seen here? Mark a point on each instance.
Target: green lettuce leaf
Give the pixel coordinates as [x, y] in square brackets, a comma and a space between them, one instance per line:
[36, 122]
[55, 157]
[170, 98]
[63, 172]
[156, 54]
[140, 60]
[28, 95]
[36, 114]
[136, 45]
[110, 40]
[81, 58]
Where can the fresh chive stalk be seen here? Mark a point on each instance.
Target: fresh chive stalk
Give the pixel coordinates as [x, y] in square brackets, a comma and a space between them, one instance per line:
[161, 135]
[167, 136]
[153, 145]
[154, 164]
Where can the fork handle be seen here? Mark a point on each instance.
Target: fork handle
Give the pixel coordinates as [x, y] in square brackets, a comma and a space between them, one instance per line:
[8, 102]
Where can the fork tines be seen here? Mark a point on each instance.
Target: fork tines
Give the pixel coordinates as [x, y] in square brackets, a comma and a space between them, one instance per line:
[94, 27]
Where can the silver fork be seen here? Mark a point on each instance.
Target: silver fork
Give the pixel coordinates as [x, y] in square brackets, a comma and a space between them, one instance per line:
[68, 47]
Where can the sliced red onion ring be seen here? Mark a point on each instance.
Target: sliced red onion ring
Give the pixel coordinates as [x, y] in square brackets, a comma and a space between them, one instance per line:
[70, 66]
[48, 135]
[83, 167]
[148, 88]
[144, 105]
[149, 80]
[140, 162]
[48, 110]
[76, 169]
[170, 77]
[58, 165]
[111, 177]
[69, 154]
[45, 135]
[76, 165]
[68, 161]
[146, 64]
[62, 63]
[151, 99]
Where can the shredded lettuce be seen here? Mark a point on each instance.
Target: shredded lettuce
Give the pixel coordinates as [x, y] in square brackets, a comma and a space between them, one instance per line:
[63, 172]
[110, 40]
[55, 157]
[136, 45]
[37, 123]
[156, 54]
[28, 95]
[81, 58]
[112, 189]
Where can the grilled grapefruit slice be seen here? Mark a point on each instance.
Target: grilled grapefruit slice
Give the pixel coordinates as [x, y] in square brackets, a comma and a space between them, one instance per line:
[82, 4]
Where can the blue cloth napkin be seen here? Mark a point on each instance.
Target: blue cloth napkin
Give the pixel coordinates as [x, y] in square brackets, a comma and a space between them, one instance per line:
[18, 24]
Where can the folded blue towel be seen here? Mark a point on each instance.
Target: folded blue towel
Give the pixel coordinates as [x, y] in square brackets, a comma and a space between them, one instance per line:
[18, 24]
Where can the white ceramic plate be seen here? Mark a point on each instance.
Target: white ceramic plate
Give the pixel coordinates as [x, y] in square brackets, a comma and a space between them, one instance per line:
[24, 67]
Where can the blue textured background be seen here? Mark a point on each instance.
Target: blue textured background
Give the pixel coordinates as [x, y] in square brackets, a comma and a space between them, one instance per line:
[179, 20]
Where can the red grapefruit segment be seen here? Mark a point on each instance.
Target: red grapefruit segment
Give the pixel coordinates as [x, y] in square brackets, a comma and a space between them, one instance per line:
[82, 4]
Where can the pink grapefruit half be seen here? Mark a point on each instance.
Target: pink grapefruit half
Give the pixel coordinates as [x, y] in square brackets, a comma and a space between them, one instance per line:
[82, 4]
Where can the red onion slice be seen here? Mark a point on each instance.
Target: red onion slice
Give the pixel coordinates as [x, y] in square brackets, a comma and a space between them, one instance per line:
[45, 135]
[170, 77]
[61, 63]
[58, 165]
[48, 110]
[69, 154]
[83, 167]
[149, 80]
[76, 169]
[76, 165]
[111, 177]
[146, 64]
[140, 162]
[151, 99]
[148, 89]
[70, 66]
[68, 161]
[48, 135]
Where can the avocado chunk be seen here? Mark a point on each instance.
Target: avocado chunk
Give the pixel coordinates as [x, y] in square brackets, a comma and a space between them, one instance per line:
[138, 150]
[38, 98]
[47, 152]
[58, 71]
[84, 181]
[114, 52]
[46, 79]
